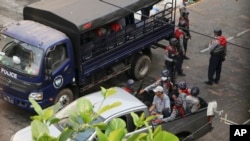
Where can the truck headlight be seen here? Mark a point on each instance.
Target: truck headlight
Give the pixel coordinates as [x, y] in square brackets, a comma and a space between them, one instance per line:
[36, 95]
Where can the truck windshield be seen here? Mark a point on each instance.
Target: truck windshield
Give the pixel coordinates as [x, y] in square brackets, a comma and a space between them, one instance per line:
[20, 56]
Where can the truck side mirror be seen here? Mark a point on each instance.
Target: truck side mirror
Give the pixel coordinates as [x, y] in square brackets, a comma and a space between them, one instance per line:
[48, 64]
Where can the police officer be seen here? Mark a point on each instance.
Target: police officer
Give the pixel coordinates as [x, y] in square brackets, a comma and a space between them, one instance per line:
[170, 57]
[162, 81]
[185, 27]
[130, 86]
[180, 35]
[183, 6]
[217, 48]
[192, 101]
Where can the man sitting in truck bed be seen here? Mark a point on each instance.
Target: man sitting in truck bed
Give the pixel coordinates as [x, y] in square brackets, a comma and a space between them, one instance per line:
[161, 103]
[193, 102]
[177, 110]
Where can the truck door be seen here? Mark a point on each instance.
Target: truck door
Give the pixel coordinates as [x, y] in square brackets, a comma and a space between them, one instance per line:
[60, 66]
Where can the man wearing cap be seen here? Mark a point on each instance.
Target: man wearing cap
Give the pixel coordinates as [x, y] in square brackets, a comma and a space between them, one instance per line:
[161, 103]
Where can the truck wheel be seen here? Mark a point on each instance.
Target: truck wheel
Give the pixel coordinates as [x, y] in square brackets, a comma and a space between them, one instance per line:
[64, 97]
[140, 67]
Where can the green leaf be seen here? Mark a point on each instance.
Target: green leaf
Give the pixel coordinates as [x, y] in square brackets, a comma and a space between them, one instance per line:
[108, 107]
[48, 113]
[110, 91]
[142, 116]
[46, 137]
[73, 121]
[37, 117]
[114, 124]
[36, 106]
[136, 120]
[86, 117]
[103, 92]
[38, 128]
[157, 130]
[54, 120]
[148, 119]
[101, 136]
[166, 136]
[65, 135]
[137, 137]
[101, 125]
[84, 105]
[117, 135]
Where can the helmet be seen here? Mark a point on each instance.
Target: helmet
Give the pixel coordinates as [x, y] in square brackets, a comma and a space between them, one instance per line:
[182, 85]
[165, 73]
[185, 13]
[195, 91]
[173, 41]
[130, 83]
[182, 23]
[218, 32]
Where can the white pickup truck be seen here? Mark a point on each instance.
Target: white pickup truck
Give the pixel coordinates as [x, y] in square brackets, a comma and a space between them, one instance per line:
[190, 127]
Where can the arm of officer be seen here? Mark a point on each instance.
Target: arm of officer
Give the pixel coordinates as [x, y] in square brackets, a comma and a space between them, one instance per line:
[211, 46]
[181, 42]
[166, 56]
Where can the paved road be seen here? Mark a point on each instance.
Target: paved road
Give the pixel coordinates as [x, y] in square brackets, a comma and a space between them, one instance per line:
[231, 93]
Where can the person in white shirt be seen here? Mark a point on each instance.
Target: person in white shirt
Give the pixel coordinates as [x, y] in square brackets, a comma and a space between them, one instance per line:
[161, 103]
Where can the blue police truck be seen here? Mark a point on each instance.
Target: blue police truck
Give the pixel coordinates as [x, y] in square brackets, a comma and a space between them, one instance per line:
[62, 48]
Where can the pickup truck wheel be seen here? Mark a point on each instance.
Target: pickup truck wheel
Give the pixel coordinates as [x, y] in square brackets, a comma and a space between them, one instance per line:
[140, 67]
[64, 97]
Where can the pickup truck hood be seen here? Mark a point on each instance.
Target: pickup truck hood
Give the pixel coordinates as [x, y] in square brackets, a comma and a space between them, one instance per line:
[25, 133]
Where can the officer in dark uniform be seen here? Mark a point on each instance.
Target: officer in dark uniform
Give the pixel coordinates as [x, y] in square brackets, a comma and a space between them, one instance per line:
[217, 49]
[170, 57]
[180, 36]
[185, 27]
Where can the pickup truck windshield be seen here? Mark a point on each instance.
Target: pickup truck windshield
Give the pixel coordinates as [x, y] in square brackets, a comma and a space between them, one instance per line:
[20, 56]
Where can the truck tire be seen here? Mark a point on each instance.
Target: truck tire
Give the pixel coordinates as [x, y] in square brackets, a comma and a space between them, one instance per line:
[64, 97]
[140, 67]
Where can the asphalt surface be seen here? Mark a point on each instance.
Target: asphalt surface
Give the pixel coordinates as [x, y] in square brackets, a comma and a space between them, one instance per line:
[231, 94]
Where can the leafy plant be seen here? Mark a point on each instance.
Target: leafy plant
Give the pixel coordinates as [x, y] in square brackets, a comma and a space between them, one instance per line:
[82, 118]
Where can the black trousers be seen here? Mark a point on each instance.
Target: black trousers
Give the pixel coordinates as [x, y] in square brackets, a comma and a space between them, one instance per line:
[171, 68]
[185, 44]
[215, 65]
[179, 63]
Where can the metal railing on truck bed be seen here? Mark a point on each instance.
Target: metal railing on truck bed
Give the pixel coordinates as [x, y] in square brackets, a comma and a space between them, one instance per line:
[102, 45]
[104, 53]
